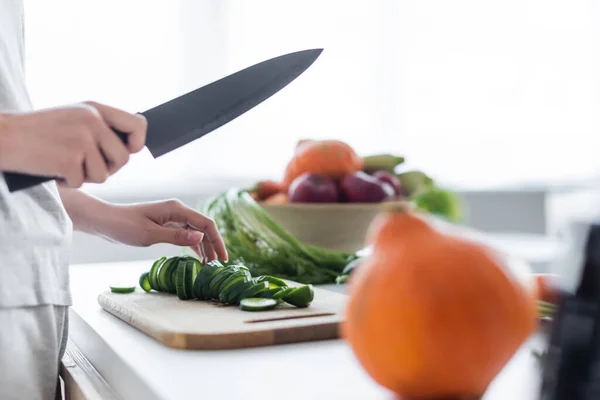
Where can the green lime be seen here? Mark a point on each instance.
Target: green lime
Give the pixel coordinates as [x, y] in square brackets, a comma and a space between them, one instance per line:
[144, 282]
[257, 304]
[300, 297]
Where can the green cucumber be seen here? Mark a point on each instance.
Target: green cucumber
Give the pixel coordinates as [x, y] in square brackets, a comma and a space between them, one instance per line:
[234, 275]
[169, 274]
[253, 290]
[282, 293]
[206, 283]
[153, 274]
[276, 282]
[180, 280]
[190, 274]
[300, 297]
[269, 293]
[144, 282]
[229, 283]
[202, 279]
[165, 272]
[218, 277]
[232, 288]
[257, 304]
[121, 289]
[236, 290]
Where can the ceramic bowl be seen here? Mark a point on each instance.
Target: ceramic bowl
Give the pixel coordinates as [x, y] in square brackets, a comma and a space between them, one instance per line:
[335, 226]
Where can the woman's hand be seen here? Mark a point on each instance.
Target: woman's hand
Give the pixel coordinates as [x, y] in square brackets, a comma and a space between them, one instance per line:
[75, 143]
[168, 221]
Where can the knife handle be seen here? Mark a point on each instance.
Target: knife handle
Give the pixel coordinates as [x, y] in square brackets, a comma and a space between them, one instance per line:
[17, 181]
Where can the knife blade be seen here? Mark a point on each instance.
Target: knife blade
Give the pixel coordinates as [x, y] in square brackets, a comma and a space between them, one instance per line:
[201, 111]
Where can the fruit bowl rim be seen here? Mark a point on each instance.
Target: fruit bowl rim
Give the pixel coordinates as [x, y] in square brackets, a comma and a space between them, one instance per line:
[329, 206]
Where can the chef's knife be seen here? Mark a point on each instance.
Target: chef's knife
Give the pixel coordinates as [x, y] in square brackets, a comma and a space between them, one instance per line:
[197, 113]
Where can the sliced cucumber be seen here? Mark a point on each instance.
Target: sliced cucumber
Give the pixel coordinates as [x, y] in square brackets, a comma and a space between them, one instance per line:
[197, 287]
[202, 278]
[165, 272]
[180, 280]
[170, 271]
[234, 275]
[215, 282]
[206, 282]
[281, 293]
[300, 297]
[235, 290]
[190, 265]
[228, 283]
[257, 304]
[144, 282]
[253, 290]
[274, 282]
[231, 287]
[121, 289]
[153, 274]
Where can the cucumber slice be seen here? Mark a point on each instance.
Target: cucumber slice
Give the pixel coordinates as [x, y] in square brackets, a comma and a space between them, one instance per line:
[234, 275]
[202, 279]
[281, 293]
[300, 297]
[253, 290]
[236, 289]
[122, 289]
[206, 283]
[190, 265]
[218, 277]
[269, 293]
[172, 287]
[164, 273]
[168, 271]
[153, 274]
[225, 292]
[144, 282]
[180, 279]
[257, 304]
[276, 282]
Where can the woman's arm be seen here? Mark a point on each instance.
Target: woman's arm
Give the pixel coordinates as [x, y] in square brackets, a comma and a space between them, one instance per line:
[145, 224]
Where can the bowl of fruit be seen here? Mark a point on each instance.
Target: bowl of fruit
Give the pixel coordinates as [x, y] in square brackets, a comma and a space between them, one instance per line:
[329, 194]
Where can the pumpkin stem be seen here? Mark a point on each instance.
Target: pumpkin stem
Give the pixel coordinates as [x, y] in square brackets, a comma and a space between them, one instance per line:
[401, 206]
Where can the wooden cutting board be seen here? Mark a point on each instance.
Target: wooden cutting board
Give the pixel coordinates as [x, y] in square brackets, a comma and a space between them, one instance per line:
[207, 325]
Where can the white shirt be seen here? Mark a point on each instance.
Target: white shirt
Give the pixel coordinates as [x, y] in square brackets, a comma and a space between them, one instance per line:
[35, 230]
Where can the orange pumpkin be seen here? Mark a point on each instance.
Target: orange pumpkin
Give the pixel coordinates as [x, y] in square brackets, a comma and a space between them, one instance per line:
[331, 158]
[432, 314]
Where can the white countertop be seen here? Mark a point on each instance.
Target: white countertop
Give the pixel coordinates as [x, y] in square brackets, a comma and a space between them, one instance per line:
[138, 367]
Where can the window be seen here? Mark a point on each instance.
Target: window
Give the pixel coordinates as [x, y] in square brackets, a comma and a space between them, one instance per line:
[476, 93]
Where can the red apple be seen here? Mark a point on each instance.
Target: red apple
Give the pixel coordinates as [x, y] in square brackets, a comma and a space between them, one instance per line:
[391, 179]
[361, 187]
[313, 188]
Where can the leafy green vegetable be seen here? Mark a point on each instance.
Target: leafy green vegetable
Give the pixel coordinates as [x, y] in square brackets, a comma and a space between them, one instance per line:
[255, 240]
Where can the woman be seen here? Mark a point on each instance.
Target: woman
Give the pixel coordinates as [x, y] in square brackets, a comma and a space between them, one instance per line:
[36, 223]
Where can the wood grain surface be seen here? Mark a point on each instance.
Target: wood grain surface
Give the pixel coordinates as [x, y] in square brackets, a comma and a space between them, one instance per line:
[208, 325]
